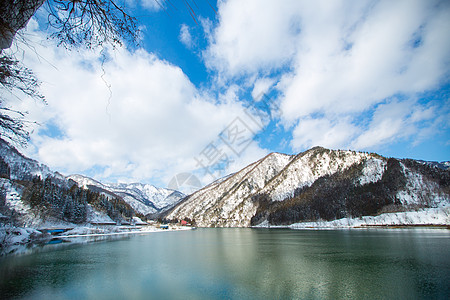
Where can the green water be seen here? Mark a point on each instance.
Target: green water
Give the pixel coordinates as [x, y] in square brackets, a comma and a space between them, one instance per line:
[238, 264]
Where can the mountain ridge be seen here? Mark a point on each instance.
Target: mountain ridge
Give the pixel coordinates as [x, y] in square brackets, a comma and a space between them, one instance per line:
[257, 188]
[144, 198]
[31, 193]
[278, 189]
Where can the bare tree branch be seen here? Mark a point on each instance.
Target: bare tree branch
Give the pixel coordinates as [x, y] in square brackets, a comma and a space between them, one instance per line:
[90, 23]
[73, 23]
[13, 128]
[15, 76]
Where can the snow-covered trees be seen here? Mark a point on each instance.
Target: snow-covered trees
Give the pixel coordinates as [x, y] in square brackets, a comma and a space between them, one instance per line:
[70, 204]
[340, 195]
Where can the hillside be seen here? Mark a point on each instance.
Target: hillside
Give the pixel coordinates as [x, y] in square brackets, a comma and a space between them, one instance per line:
[226, 203]
[317, 185]
[144, 198]
[32, 195]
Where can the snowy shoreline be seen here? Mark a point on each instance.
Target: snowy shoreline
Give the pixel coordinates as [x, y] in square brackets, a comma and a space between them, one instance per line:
[28, 237]
[139, 231]
[16, 240]
[430, 217]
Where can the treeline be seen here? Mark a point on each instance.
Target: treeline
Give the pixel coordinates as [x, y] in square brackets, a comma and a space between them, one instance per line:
[7, 215]
[338, 196]
[71, 204]
[5, 171]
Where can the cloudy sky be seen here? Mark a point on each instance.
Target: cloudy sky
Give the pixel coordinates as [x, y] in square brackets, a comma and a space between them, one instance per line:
[210, 93]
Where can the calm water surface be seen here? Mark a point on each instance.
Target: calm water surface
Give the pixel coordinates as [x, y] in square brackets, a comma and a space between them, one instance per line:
[238, 264]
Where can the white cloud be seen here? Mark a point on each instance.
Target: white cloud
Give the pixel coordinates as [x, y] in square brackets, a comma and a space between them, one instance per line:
[252, 35]
[351, 77]
[153, 5]
[389, 122]
[398, 120]
[185, 36]
[261, 87]
[338, 62]
[322, 132]
[148, 127]
[378, 61]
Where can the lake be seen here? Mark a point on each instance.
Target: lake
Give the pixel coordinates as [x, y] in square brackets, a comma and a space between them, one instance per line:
[238, 264]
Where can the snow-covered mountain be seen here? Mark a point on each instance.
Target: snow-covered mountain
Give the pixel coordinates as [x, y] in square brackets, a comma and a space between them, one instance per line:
[318, 184]
[31, 194]
[24, 168]
[144, 198]
[444, 165]
[226, 202]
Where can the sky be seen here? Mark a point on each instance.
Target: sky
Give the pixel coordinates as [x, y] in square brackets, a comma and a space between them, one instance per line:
[213, 89]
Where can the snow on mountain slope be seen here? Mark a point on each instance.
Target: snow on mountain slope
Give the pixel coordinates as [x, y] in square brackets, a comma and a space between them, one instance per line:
[428, 216]
[84, 181]
[444, 165]
[24, 215]
[13, 201]
[144, 198]
[418, 190]
[307, 167]
[15, 166]
[366, 183]
[23, 168]
[373, 171]
[226, 203]
[157, 196]
[33, 194]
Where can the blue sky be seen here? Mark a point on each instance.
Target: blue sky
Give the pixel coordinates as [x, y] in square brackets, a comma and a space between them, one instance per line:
[245, 78]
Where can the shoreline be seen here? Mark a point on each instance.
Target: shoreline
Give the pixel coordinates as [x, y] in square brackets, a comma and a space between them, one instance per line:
[120, 233]
[390, 226]
[385, 226]
[18, 240]
[424, 218]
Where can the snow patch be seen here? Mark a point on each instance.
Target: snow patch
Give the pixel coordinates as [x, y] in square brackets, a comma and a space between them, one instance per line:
[429, 216]
[17, 235]
[14, 202]
[98, 217]
[138, 221]
[308, 167]
[419, 191]
[373, 171]
[144, 198]
[226, 203]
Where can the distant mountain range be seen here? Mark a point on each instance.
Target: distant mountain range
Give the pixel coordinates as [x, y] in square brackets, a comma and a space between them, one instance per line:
[317, 185]
[144, 198]
[32, 194]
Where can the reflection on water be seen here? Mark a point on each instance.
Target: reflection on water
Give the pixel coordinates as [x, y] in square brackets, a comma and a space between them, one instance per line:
[50, 244]
[238, 264]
